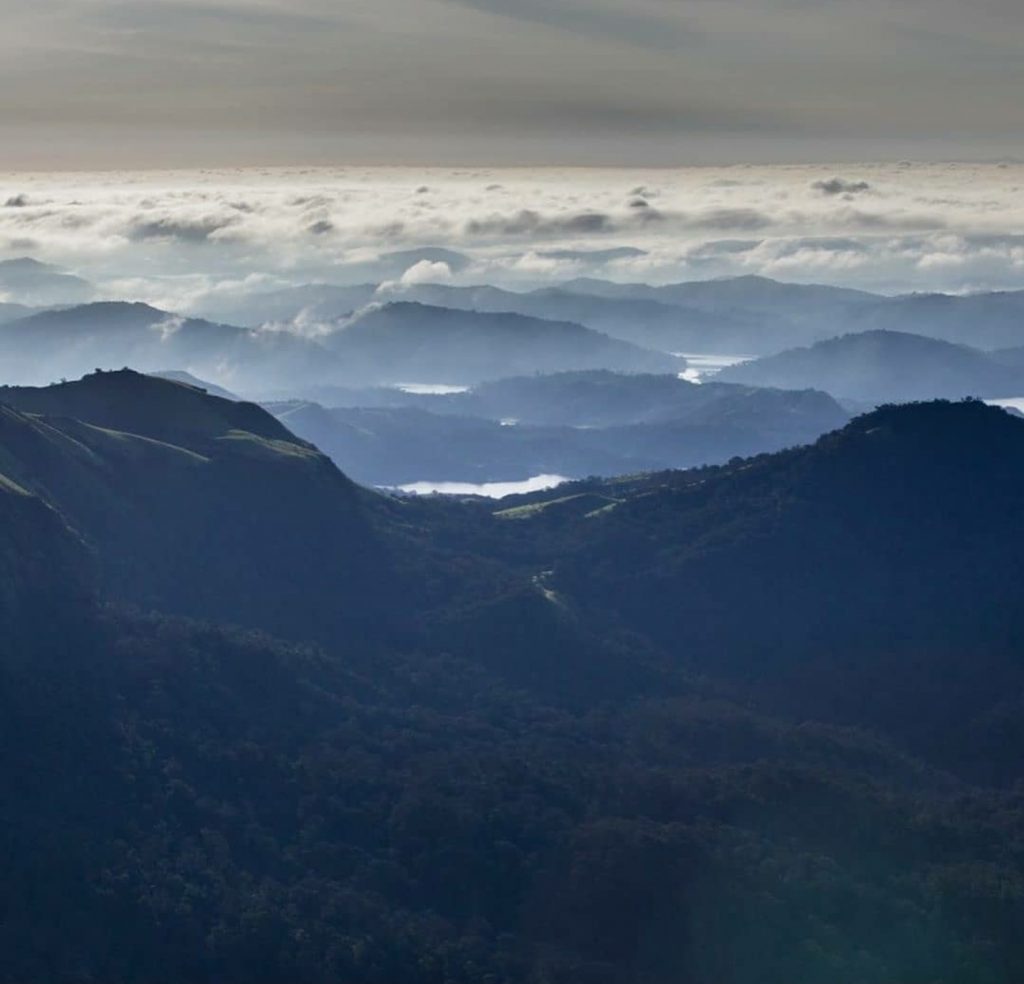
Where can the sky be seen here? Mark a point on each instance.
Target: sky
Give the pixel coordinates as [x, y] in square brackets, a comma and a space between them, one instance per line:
[218, 83]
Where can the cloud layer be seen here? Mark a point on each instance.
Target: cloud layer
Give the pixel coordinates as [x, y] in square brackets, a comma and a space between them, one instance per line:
[180, 239]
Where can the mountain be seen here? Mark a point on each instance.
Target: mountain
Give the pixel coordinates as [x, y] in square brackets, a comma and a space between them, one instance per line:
[313, 303]
[401, 261]
[757, 723]
[401, 446]
[989, 320]
[194, 505]
[571, 424]
[71, 341]
[883, 366]
[845, 579]
[415, 343]
[749, 293]
[180, 376]
[28, 282]
[745, 315]
[599, 398]
[738, 316]
[12, 312]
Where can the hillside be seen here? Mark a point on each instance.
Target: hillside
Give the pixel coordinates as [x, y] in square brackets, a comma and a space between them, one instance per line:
[571, 424]
[883, 366]
[66, 343]
[864, 568]
[28, 282]
[194, 504]
[416, 343]
[664, 737]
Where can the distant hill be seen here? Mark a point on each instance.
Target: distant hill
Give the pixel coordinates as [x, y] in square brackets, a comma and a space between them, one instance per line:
[987, 320]
[28, 282]
[71, 341]
[884, 366]
[416, 343]
[572, 424]
[180, 376]
[739, 316]
[12, 312]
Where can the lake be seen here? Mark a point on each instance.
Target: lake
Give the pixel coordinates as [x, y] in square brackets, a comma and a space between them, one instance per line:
[431, 389]
[491, 490]
[700, 366]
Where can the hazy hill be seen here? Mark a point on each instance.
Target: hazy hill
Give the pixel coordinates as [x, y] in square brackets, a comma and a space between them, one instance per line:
[315, 303]
[599, 398]
[987, 320]
[11, 312]
[883, 366]
[180, 376]
[34, 284]
[398, 446]
[415, 343]
[572, 424]
[69, 342]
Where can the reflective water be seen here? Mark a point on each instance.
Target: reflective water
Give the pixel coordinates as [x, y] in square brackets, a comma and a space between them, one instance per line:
[492, 490]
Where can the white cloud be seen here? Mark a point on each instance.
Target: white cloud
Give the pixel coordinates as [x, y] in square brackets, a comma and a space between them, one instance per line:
[183, 240]
[426, 272]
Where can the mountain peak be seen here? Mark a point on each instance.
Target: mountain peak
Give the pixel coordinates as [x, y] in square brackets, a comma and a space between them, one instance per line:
[163, 409]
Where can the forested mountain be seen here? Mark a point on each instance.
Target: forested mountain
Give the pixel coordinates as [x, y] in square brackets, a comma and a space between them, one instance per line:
[864, 567]
[885, 366]
[755, 723]
[195, 505]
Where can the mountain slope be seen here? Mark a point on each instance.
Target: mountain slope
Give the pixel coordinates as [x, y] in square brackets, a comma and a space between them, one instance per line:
[874, 571]
[184, 801]
[196, 505]
[415, 343]
[571, 424]
[883, 366]
[29, 282]
[69, 342]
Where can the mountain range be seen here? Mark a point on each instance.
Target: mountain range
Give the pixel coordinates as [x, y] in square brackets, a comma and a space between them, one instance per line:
[753, 722]
[390, 344]
[886, 366]
[747, 315]
[569, 424]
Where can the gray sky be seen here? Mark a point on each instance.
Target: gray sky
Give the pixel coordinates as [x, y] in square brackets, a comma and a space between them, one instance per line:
[223, 82]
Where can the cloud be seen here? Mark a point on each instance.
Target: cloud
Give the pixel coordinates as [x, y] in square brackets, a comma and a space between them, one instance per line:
[840, 186]
[426, 272]
[168, 327]
[188, 239]
[184, 229]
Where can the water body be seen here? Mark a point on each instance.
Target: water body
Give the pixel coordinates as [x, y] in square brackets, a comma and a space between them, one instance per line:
[431, 389]
[700, 366]
[491, 490]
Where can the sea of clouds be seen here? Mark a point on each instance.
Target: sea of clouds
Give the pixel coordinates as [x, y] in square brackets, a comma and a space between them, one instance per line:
[184, 239]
